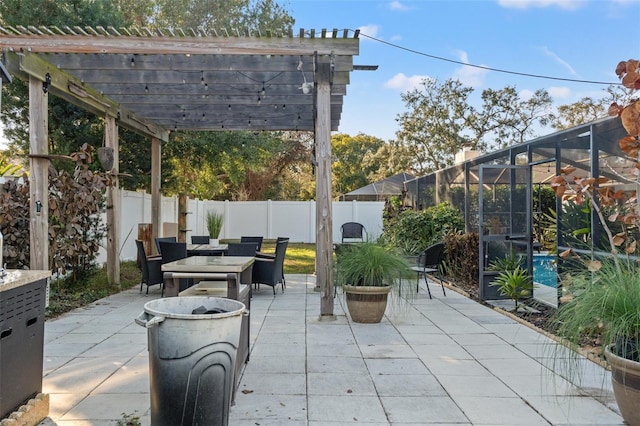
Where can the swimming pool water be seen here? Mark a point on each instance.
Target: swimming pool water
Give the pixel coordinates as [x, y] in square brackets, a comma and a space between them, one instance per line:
[544, 270]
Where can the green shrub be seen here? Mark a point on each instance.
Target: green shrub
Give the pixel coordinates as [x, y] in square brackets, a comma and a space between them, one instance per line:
[413, 231]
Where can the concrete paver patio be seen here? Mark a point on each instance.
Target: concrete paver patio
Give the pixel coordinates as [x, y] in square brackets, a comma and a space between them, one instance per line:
[448, 360]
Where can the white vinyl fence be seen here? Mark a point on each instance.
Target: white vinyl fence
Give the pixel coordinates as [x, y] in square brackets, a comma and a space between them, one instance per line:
[270, 219]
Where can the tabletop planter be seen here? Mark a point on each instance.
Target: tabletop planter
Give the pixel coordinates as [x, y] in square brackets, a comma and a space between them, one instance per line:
[214, 226]
[368, 272]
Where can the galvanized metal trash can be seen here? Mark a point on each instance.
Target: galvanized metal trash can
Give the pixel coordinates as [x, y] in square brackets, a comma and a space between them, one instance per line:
[191, 358]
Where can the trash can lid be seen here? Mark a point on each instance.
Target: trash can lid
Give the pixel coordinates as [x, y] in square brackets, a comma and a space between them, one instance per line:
[183, 307]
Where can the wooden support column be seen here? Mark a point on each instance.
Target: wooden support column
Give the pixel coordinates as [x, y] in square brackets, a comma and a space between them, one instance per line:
[39, 176]
[324, 227]
[113, 204]
[156, 199]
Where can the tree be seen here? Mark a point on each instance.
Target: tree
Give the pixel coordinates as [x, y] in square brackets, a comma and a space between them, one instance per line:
[220, 15]
[588, 109]
[508, 118]
[231, 165]
[69, 126]
[354, 161]
[432, 128]
[439, 121]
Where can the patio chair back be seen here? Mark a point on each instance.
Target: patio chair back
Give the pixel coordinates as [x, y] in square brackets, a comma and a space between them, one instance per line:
[170, 239]
[429, 262]
[353, 232]
[271, 272]
[256, 240]
[150, 267]
[172, 251]
[241, 249]
[199, 239]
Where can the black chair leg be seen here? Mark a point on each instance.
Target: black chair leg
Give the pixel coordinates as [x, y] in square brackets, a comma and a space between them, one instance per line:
[441, 283]
[426, 281]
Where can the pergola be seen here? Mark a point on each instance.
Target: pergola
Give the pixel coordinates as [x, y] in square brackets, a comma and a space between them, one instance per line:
[154, 82]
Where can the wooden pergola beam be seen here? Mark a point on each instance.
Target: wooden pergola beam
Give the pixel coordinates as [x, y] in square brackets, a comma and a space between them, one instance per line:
[73, 90]
[158, 45]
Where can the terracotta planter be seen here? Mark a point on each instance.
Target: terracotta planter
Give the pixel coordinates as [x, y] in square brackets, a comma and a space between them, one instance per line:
[366, 304]
[625, 377]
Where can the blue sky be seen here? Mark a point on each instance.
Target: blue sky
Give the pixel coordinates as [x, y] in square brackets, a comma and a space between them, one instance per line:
[572, 39]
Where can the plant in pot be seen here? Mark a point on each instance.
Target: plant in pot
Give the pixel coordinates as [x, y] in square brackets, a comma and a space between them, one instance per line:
[368, 272]
[602, 300]
[214, 226]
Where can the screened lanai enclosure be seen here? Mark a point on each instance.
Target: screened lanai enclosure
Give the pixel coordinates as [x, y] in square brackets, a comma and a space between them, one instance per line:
[507, 199]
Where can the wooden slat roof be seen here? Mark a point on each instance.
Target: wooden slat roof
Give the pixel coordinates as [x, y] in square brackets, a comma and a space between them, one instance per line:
[168, 80]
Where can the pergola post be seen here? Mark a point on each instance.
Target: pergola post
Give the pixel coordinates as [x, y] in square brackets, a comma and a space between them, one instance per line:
[156, 200]
[324, 227]
[113, 203]
[39, 176]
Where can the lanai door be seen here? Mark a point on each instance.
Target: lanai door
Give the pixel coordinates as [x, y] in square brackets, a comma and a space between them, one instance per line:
[505, 224]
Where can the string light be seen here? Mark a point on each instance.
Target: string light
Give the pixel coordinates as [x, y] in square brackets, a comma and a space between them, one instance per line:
[146, 89]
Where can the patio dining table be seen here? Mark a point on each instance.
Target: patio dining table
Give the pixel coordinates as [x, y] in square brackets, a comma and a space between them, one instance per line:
[206, 268]
[206, 250]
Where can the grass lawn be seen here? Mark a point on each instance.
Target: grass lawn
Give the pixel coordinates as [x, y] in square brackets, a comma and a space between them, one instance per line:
[299, 259]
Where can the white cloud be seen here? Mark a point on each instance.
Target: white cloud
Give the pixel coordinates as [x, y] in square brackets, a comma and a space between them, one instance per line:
[559, 92]
[405, 83]
[396, 38]
[559, 60]
[469, 76]
[396, 5]
[371, 30]
[526, 4]
[525, 94]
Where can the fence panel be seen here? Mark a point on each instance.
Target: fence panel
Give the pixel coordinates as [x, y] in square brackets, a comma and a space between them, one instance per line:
[271, 219]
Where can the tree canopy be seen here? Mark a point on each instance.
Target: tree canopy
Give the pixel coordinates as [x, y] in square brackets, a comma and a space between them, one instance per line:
[439, 121]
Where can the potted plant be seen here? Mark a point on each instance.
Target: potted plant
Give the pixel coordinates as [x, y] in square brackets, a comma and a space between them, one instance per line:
[602, 300]
[368, 271]
[214, 226]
